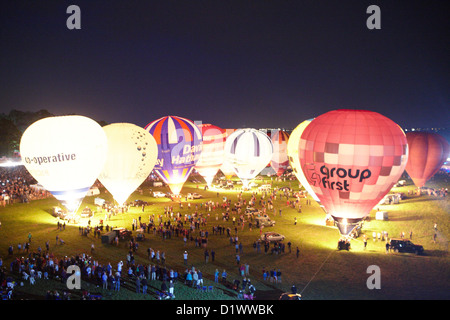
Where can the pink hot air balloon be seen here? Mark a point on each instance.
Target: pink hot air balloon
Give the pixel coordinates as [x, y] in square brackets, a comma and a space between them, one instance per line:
[427, 153]
[351, 159]
[280, 160]
[212, 156]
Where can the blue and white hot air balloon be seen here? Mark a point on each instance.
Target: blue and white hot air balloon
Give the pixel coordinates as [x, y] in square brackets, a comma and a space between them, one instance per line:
[248, 151]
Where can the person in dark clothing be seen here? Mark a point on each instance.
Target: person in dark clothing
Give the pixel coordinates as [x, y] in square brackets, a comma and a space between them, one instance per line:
[294, 289]
[164, 287]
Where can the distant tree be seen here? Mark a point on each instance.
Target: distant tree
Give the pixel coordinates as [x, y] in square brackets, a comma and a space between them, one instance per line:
[23, 119]
[9, 137]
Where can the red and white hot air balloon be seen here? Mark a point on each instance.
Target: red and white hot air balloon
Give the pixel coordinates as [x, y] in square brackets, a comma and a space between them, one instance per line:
[280, 160]
[212, 156]
[427, 153]
[351, 159]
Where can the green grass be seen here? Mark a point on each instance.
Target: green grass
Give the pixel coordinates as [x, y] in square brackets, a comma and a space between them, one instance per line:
[320, 272]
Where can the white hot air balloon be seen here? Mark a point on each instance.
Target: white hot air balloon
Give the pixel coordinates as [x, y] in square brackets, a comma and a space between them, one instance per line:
[65, 154]
[248, 151]
[292, 152]
[132, 154]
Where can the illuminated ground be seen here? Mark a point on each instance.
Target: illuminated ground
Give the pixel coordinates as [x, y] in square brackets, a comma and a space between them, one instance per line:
[320, 272]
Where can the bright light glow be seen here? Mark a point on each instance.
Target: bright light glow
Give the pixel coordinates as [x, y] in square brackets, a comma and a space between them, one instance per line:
[9, 163]
[65, 155]
[132, 154]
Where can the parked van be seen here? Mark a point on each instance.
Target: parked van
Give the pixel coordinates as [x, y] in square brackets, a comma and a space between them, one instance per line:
[264, 221]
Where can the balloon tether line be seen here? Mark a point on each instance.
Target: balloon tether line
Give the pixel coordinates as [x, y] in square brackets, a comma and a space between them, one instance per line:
[316, 272]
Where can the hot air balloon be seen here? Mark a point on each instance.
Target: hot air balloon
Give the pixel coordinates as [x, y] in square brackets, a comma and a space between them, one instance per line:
[65, 154]
[280, 160]
[427, 153]
[227, 168]
[292, 152]
[212, 156]
[132, 154]
[179, 143]
[351, 159]
[248, 151]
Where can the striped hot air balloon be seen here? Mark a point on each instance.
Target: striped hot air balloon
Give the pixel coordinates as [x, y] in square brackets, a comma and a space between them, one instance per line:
[212, 156]
[179, 143]
[280, 160]
[248, 151]
[351, 159]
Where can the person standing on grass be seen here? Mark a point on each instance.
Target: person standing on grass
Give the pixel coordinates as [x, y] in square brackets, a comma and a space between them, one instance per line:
[185, 258]
[206, 256]
[216, 276]
[138, 285]
[105, 280]
[117, 282]
[224, 276]
[171, 288]
[144, 285]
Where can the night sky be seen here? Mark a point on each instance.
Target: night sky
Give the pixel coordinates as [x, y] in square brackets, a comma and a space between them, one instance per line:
[230, 63]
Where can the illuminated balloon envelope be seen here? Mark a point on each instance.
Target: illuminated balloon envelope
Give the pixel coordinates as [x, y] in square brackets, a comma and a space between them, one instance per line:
[212, 156]
[280, 160]
[227, 168]
[248, 151]
[179, 143]
[427, 153]
[65, 155]
[352, 158]
[132, 154]
[292, 151]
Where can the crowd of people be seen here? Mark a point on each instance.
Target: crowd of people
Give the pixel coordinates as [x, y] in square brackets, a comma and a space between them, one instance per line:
[17, 185]
[193, 224]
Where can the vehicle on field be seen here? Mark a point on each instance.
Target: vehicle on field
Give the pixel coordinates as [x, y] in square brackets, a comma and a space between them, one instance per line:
[122, 233]
[139, 203]
[405, 246]
[264, 220]
[290, 296]
[272, 236]
[194, 195]
[265, 187]
[159, 194]
[87, 213]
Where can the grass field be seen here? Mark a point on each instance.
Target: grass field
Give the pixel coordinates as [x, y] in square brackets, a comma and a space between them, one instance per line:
[320, 271]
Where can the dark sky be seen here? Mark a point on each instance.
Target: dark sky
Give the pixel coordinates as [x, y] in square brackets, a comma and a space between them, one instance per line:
[230, 63]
